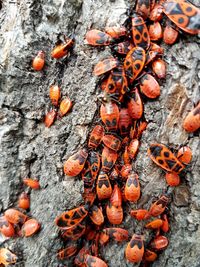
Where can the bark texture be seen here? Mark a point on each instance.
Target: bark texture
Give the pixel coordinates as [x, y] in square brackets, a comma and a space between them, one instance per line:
[30, 149]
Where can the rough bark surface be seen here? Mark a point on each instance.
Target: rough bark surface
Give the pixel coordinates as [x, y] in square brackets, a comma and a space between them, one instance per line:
[30, 149]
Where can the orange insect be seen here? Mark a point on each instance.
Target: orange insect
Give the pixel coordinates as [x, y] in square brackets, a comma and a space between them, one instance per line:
[142, 125]
[164, 158]
[14, 216]
[117, 82]
[65, 106]
[172, 179]
[96, 215]
[6, 228]
[30, 227]
[112, 142]
[165, 225]
[98, 38]
[135, 249]
[150, 56]
[159, 243]
[24, 201]
[103, 188]
[114, 209]
[157, 48]
[109, 158]
[124, 121]
[159, 206]
[185, 15]
[126, 158]
[157, 223]
[149, 86]
[133, 148]
[135, 105]
[170, 35]
[105, 66]
[134, 62]
[68, 251]
[109, 113]
[123, 48]
[114, 174]
[7, 257]
[72, 217]
[192, 121]
[75, 163]
[117, 234]
[132, 188]
[94, 161]
[185, 154]
[34, 184]
[150, 255]
[125, 171]
[156, 13]
[96, 136]
[155, 31]
[116, 32]
[140, 32]
[54, 94]
[62, 49]
[74, 232]
[143, 8]
[50, 118]
[139, 214]
[79, 259]
[159, 68]
[92, 261]
[38, 61]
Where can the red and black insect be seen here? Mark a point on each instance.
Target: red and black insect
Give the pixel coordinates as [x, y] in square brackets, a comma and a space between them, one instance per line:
[67, 252]
[54, 94]
[92, 261]
[94, 161]
[103, 188]
[124, 121]
[112, 142]
[135, 105]
[117, 82]
[74, 232]
[140, 32]
[62, 49]
[139, 214]
[108, 158]
[116, 32]
[159, 206]
[132, 188]
[14, 216]
[95, 136]
[135, 249]
[96, 215]
[149, 86]
[75, 163]
[98, 38]
[72, 217]
[134, 62]
[6, 228]
[109, 113]
[117, 234]
[143, 8]
[123, 48]
[105, 65]
[185, 15]
[164, 158]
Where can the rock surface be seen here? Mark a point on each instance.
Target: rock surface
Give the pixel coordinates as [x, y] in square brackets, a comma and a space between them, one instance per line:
[30, 149]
